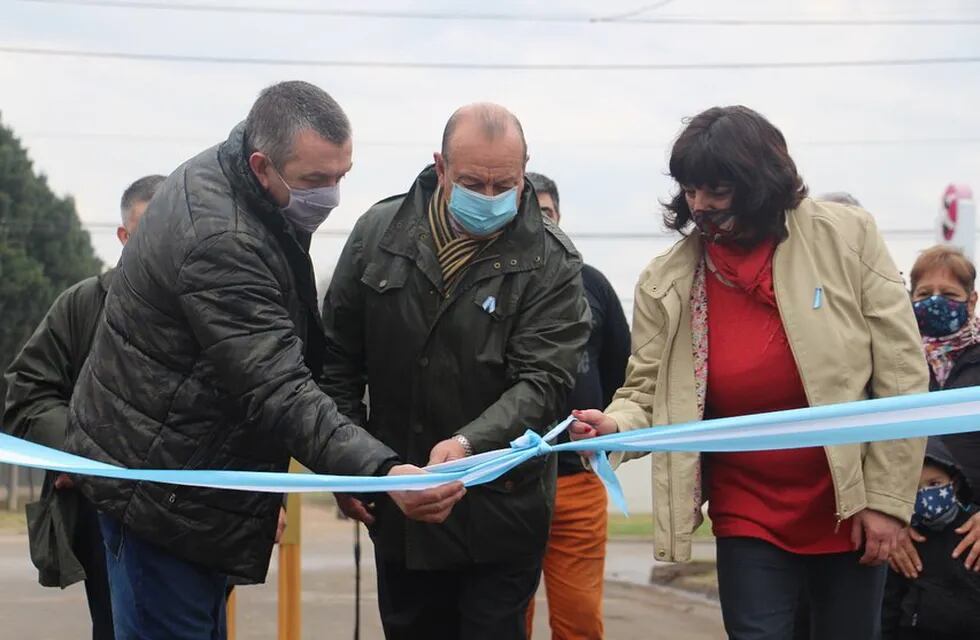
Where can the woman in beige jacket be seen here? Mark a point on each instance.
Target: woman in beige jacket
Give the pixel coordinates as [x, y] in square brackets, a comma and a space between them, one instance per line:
[776, 302]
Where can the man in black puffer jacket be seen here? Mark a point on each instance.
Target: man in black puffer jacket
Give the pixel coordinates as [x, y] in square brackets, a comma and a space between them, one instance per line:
[203, 361]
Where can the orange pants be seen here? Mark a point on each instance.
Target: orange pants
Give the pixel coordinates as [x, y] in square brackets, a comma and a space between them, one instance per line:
[575, 560]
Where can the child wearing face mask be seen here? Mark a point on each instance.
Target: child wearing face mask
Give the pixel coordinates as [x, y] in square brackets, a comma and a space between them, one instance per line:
[943, 602]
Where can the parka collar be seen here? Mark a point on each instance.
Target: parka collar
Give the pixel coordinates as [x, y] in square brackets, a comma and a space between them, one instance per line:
[521, 247]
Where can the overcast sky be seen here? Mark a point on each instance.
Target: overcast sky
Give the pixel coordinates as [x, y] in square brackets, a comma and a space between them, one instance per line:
[894, 136]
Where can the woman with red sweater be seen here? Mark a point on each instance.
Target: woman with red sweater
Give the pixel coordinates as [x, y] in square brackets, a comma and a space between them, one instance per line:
[775, 302]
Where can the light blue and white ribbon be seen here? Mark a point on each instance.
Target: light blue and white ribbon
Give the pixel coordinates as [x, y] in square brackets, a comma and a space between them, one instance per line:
[920, 415]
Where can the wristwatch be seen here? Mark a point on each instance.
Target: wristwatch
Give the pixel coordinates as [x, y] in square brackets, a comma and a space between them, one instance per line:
[467, 447]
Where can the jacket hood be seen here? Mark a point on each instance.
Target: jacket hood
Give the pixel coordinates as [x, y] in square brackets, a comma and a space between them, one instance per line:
[937, 453]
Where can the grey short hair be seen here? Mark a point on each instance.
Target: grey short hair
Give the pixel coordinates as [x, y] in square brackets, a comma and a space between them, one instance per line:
[494, 120]
[544, 184]
[841, 197]
[285, 109]
[140, 191]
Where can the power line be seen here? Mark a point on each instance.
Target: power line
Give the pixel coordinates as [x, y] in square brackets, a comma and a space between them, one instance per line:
[420, 144]
[622, 16]
[629, 17]
[575, 235]
[489, 66]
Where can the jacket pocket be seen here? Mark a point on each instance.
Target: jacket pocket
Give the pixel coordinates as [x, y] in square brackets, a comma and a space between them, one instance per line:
[494, 299]
[382, 278]
[487, 323]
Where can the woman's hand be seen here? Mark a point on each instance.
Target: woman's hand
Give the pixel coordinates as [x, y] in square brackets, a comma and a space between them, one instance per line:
[590, 423]
[970, 530]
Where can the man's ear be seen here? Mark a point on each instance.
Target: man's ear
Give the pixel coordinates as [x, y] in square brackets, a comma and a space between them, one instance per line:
[440, 162]
[123, 235]
[259, 164]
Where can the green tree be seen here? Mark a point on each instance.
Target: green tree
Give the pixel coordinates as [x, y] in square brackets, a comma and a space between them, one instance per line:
[43, 247]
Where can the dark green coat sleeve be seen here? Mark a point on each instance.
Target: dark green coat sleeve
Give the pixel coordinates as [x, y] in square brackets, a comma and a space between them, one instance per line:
[344, 375]
[42, 377]
[543, 354]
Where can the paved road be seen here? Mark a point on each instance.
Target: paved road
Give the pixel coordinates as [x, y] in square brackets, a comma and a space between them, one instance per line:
[30, 612]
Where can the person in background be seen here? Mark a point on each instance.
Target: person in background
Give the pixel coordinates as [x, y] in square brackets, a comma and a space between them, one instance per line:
[944, 298]
[574, 561]
[942, 602]
[462, 311]
[40, 382]
[206, 357]
[763, 308]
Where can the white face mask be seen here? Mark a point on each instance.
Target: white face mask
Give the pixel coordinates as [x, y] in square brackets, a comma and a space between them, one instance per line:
[308, 208]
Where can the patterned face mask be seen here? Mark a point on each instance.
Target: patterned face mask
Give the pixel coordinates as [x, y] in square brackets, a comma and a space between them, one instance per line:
[935, 507]
[940, 316]
[716, 225]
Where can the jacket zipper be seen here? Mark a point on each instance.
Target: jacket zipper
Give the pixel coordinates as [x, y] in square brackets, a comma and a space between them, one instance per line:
[817, 303]
[670, 456]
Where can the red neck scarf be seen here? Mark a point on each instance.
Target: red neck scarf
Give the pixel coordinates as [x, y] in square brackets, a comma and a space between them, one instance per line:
[749, 269]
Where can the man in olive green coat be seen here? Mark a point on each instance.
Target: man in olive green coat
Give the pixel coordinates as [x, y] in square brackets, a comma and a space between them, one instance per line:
[462, 310]
[66, 544]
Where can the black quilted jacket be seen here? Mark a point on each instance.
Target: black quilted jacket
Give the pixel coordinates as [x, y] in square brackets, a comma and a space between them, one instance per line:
[203, 361]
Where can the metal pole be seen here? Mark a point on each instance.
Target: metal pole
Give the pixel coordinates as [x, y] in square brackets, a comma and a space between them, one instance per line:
[13, 488]
[357, 580]
[290, 571]
[230, 615]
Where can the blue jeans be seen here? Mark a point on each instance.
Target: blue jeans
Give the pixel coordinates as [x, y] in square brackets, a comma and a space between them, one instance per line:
[156, 596]
[762, 587]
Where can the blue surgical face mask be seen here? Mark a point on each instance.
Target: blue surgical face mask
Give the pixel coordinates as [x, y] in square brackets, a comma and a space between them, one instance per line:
[935, 507]
[940, 316]
[308, 208]
[481, 215]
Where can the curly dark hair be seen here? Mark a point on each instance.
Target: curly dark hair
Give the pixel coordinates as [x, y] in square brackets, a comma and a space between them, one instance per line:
[736, 145]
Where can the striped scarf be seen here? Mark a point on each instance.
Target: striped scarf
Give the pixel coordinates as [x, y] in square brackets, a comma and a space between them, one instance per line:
[454, 250]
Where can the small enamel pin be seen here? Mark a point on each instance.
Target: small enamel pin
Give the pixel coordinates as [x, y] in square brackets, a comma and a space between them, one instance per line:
[490, 304]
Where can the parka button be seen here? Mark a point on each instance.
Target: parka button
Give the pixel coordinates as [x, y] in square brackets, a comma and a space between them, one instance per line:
[172, 498]
[537, 258]
[496, 265]
[513, 262]
[661, 553]
[383, 284]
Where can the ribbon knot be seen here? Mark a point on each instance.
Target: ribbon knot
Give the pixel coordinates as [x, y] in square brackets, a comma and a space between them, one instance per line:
[531, 441]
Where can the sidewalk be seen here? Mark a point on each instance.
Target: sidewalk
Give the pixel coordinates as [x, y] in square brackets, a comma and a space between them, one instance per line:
[632, 608]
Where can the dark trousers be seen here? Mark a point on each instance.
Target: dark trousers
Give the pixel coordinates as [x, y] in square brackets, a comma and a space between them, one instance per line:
[760, 587]
[476, 603]
[156, 596]
[90, 551]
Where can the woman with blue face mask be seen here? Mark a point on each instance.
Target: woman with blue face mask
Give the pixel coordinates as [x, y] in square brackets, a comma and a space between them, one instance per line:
[944, 299]
[943, 602]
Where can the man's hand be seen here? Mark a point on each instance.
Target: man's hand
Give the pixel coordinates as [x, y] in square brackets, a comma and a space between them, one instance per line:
[281, 527]
[905, 558]
[878, 532]
[970, 530]
[353, 508]
[63, 482]
[428, 505]
[446, 451]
